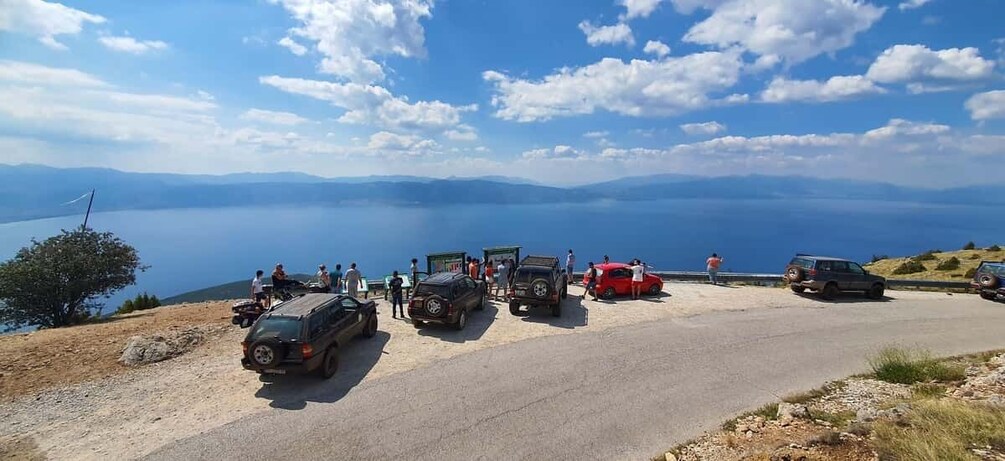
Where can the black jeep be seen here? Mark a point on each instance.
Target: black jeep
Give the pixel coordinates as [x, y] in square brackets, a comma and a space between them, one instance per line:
[831, 276]
[989, 280]
[446, 297]
[306, 333]
[539, 281]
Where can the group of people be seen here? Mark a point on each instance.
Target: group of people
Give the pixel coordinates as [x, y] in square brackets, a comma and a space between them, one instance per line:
[497, 276]
[327, 282]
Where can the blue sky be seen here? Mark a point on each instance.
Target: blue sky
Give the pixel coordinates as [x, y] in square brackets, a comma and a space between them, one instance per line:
[906, 91]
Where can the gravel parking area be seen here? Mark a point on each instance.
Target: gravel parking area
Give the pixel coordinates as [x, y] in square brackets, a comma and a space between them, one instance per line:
[129, 413]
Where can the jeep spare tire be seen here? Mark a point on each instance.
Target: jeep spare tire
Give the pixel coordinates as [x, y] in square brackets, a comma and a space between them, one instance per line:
[989, 281]
[539, 287]
[267, 352]
[436, 306]
[795, 274]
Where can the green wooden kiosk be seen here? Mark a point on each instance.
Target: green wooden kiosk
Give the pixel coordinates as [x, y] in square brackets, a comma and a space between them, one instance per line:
[451, 261]
[497, 254]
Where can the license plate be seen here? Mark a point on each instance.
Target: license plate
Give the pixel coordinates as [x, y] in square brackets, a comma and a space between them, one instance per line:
[274, 372]
[521, 292]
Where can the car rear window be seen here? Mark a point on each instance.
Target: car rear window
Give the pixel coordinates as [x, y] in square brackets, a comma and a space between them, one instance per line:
[802, 262]
[527, 274]
[997, 269]
[284, 328]
[426, 289]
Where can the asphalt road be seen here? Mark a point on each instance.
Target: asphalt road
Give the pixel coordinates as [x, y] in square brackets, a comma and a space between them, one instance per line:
[624, 393]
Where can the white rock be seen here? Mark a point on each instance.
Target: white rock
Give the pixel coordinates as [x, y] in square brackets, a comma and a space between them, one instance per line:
[792, 410]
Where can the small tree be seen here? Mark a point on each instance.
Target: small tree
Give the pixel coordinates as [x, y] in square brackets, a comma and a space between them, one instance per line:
[994, 248]
[949, 264]
[969, 246]
[55, 283]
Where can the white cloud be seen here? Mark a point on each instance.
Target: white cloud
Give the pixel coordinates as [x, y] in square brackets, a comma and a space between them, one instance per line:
[44, 20]
[657, 48]
[273, 117]
[912, 4]
[900, 127]
[384, 141]
[639, 8]
[636, 88]
[607, 35]
[371, 104]
[462, 133]
[596, 134]
[350, 34]
[131, 45]
[905, 63]
[557, 152]
[293, 46]
[793, 30]
[706, 128]
[834, 89]
[986, 106]
[25, 72]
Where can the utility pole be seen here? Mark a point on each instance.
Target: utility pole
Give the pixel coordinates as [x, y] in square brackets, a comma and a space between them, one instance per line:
[89, 203]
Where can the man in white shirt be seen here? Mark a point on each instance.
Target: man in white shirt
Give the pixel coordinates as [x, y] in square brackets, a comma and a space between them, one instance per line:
[638, 274]
[352, 278]
[257, 291]
[570, 263]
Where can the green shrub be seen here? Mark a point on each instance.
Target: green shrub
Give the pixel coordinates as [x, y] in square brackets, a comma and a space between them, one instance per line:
[909, 267]
[139, 303]
[879, 258]
[994, 248]
[928, 390]
[949, 264]
[969, 246]
[902, 366]
[975, 256]
[926, 256]
[970, 273]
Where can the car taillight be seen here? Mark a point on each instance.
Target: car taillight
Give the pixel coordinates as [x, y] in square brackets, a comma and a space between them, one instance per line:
[306, 350]
[244, 347]
[813, 272]
[411, 303]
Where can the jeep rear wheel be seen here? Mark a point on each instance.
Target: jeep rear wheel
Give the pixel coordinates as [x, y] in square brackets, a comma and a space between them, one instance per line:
[514, 308]
[830, 291]
[989, 281]
[266, 353]
[329, 365]
[435, 306]
[462, 319]
[794, 274]
[876, 292]
[539, 288]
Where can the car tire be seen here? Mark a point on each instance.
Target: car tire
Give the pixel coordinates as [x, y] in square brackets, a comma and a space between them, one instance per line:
[329, 364]
[989, 295]
[989, 281]
[514, 308]
[481, 304]
[830, 291]
[370, 330]
[876, 292]
[539, 288]
[556, 310]
[797, 288]
[609, 293]
[655, 290]
[435, 306]
[795, 274]
[462, 320]
[266, 352]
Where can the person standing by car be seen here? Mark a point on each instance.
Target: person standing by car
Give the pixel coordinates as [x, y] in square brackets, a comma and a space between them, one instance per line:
[490, 271]
[638, 275]
[257, 290]
[607, 259]
[473, 268]
[591, 281]
[570, 262]
[352, 278]
[324, 279]
[396, 283]
[511, 273]
[336, 278]
[279, 277]
[712, 265]
[503, 270]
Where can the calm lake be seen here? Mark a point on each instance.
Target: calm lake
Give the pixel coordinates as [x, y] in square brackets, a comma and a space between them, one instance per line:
[193, 248]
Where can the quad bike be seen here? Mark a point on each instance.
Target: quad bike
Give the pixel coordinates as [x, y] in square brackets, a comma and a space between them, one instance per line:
[246, 312]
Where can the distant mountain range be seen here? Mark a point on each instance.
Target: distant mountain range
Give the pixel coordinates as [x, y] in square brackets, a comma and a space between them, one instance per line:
[33, 191]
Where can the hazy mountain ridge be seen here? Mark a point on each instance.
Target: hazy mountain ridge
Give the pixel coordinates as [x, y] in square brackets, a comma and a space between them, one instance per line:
[33, 191]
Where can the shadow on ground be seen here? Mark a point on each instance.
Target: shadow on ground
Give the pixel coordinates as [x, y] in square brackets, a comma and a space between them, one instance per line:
[574, 314]
[478, 323]
[292, 392]
[844, 298]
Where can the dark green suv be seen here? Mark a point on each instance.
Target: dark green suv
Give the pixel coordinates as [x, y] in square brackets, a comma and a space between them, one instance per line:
[831, 276]
[305, 334]
[988, 280]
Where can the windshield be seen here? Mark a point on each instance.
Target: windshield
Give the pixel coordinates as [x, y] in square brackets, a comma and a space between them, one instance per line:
[425, 289]
[284, 328]
[526, 274]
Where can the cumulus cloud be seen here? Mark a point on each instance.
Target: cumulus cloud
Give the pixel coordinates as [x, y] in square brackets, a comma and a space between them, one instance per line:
[986, 106]
[557, 152]
[25, 72]
[350, 34]
[607, 35]
[372, 104]
[905, 63]
[636, 88]
[639, 8]
[293, 46]
[706, 128]
[912, 4]
[462, 133]
[793, 30]
[44, 20]
[900, 127]
[384, 141]
[838, 88]
[273, 117]
[131, 45]
[657, 48]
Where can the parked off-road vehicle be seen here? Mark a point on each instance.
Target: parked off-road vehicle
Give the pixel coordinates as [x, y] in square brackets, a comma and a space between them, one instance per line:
[539, 281]
[446, 297]
[305, 334]
[989, 280]
[831, 276]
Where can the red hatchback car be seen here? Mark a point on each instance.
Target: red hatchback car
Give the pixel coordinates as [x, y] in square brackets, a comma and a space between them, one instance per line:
[615, 279]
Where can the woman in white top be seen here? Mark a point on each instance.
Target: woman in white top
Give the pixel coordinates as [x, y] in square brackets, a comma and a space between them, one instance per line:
[638, 274]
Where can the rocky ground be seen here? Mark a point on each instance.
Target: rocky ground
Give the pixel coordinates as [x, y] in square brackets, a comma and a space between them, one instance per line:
[835, 422]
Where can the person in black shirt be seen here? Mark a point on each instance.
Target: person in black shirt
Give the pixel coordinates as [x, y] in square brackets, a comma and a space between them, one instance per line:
[395, 287]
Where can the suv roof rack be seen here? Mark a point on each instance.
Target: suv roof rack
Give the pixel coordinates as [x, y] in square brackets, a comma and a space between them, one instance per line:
[546, 261]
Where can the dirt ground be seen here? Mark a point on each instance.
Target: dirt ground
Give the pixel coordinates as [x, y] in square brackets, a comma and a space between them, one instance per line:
[66, 396]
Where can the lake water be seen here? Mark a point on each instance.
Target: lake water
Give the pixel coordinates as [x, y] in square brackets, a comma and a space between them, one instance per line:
[193, 248]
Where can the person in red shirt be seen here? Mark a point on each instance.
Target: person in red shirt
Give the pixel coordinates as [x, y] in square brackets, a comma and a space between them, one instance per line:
[473, 268]
[712, 265]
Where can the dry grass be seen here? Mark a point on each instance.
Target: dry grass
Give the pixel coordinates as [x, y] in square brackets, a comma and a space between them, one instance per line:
[902, 366]
[968, 259]
[941, 430]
